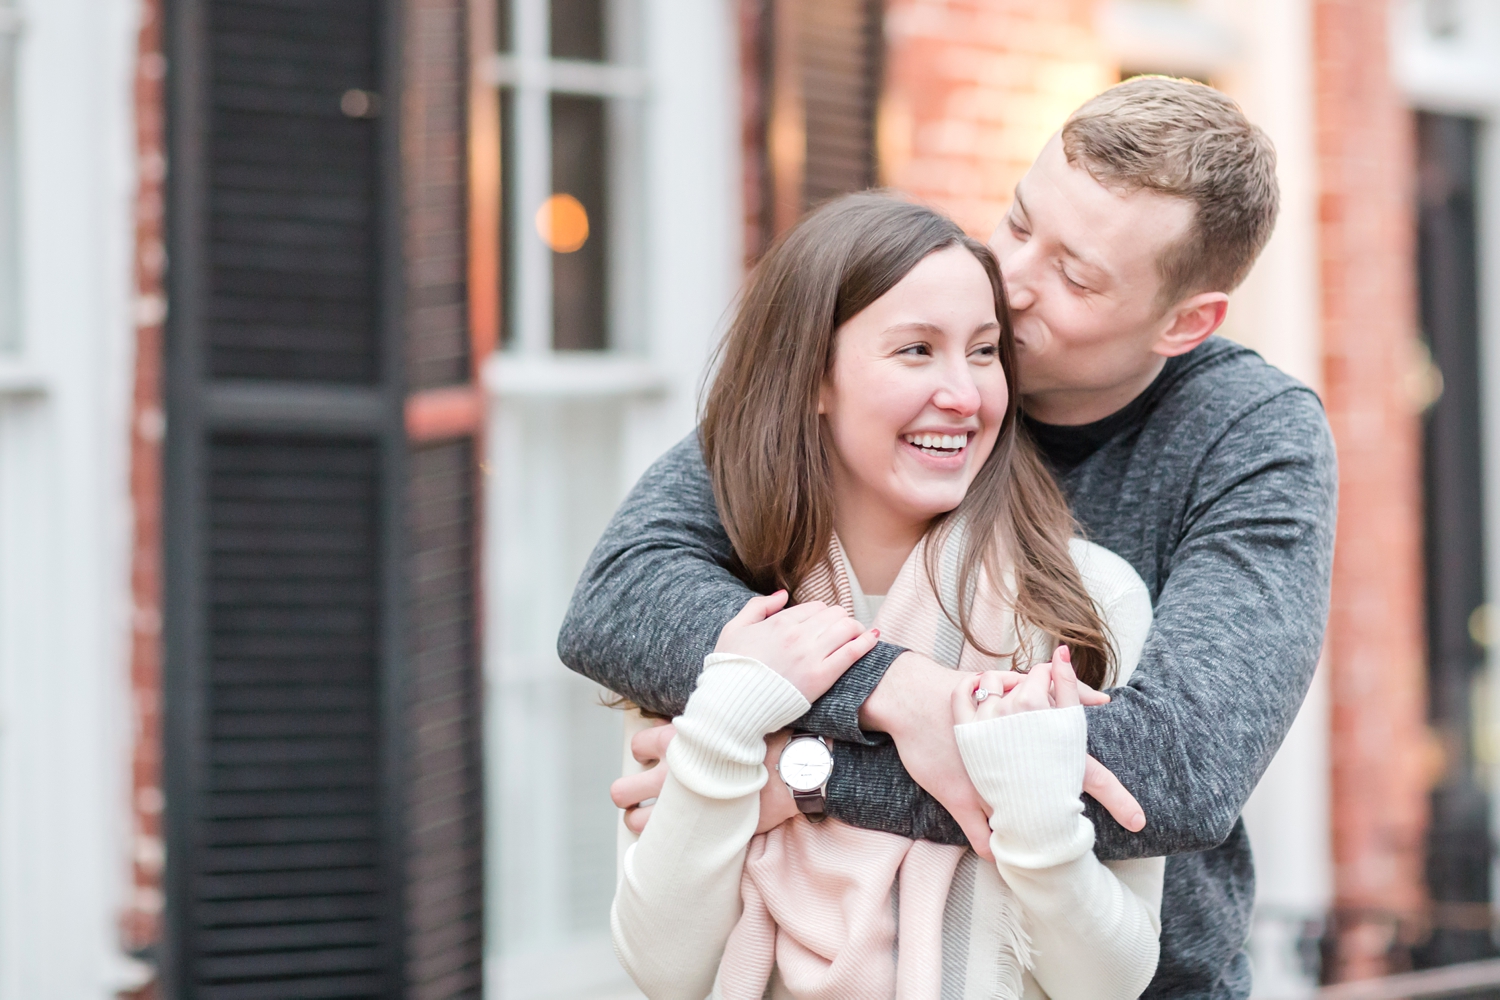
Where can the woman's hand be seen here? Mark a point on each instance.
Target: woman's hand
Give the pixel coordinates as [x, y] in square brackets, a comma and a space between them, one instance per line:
[776, 802]
[811, 645]
[1003, 694]
[1046, 685]
[1049, 685]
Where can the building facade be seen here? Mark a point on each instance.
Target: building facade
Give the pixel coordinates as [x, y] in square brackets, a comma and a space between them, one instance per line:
[331, 333]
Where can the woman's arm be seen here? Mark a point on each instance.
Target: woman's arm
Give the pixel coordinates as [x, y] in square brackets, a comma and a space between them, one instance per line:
[1096, 931]
[679, 892]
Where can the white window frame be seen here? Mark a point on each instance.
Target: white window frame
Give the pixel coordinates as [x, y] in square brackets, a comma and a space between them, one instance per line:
[537, 389]
[533, 76]
[569, 431]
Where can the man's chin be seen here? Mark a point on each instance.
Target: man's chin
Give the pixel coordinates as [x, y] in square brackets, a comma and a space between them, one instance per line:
[1026, 391]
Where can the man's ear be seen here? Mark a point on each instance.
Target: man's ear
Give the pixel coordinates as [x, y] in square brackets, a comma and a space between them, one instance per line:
[1191, 322]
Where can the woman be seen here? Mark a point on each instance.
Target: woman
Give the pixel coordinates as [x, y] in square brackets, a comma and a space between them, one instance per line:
[862, 438]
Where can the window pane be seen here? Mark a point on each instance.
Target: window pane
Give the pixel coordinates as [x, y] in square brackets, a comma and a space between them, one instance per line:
[578, 29]
[580, 244]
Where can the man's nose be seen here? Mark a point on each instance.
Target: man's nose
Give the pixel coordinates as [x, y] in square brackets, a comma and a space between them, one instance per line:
[1019, 295]
[1016, 270]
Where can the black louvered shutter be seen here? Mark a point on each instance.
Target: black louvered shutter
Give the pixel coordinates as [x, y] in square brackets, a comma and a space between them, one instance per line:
[286, 492]
[841, 48]
[822, 66]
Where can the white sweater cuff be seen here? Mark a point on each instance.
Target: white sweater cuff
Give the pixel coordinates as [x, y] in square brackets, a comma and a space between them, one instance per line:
[720, 748]
[1029, 769]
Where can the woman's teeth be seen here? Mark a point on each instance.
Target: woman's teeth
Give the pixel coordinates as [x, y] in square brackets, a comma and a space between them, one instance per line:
[938, 444]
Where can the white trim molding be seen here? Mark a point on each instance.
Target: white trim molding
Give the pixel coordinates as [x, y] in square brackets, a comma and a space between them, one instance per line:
[65, 713]
[19, 380]
[573, 375]
[566, 76]
[1182, 38]
[1447, 64]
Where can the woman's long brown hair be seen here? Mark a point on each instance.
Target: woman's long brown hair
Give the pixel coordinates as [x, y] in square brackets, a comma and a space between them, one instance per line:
[764, 445]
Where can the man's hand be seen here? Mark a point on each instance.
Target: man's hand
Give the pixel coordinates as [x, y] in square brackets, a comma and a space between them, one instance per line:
[636, 793]
[913, 705]
[1100, 783]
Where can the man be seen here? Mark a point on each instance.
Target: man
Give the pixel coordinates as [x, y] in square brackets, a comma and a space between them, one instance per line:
[1212, 473]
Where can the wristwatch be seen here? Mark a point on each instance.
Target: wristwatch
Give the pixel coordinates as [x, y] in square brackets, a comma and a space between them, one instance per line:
[806, 764]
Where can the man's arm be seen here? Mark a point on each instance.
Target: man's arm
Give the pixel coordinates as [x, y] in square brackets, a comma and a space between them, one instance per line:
[656, 592]
[1238, 630]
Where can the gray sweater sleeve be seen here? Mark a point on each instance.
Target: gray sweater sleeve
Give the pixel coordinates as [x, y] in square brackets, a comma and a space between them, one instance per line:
[1237, 634]
[656, 592]
[1237, 631]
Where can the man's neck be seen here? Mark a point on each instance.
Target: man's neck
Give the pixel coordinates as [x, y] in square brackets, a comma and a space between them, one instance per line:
[1075, 407]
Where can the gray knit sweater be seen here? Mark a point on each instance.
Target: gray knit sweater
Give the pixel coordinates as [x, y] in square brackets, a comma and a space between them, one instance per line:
[1219, 487]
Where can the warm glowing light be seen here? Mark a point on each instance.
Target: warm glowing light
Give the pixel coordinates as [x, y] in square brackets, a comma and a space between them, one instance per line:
[563, 223]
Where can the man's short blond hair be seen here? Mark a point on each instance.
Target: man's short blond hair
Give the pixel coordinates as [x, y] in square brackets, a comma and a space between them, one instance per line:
[1187, 140]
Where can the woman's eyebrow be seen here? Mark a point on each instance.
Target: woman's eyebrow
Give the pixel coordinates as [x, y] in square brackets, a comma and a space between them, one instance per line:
[915, 326]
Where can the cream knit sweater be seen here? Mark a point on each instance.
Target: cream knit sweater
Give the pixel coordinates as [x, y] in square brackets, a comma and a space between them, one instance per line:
[1094, 927]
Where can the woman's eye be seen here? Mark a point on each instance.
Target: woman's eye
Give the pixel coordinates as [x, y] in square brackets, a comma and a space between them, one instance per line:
[916, 351]
[988, 352]
[1017, 230]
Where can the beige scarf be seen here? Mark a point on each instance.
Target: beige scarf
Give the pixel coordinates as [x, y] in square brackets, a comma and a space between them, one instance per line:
[835, 912]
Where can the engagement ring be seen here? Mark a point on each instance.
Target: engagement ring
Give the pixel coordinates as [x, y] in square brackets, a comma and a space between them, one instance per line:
[980, 694]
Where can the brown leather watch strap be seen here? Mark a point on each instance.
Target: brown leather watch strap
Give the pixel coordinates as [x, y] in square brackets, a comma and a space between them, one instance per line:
[812, 803]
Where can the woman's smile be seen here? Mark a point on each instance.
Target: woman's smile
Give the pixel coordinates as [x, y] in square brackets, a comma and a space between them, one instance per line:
[948, 451]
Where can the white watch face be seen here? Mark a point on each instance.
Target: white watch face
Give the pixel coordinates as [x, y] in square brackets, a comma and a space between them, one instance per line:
[805, 764]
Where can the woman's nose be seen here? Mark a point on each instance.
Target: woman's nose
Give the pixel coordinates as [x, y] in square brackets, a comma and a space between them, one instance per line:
[958, 394]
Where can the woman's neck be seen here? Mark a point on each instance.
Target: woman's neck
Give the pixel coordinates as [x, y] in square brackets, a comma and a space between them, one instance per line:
[876, 540]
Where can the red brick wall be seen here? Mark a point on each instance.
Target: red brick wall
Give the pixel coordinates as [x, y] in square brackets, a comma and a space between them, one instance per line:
[434, 161]
[973, 90]
[1375, 635]
[141, 921]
